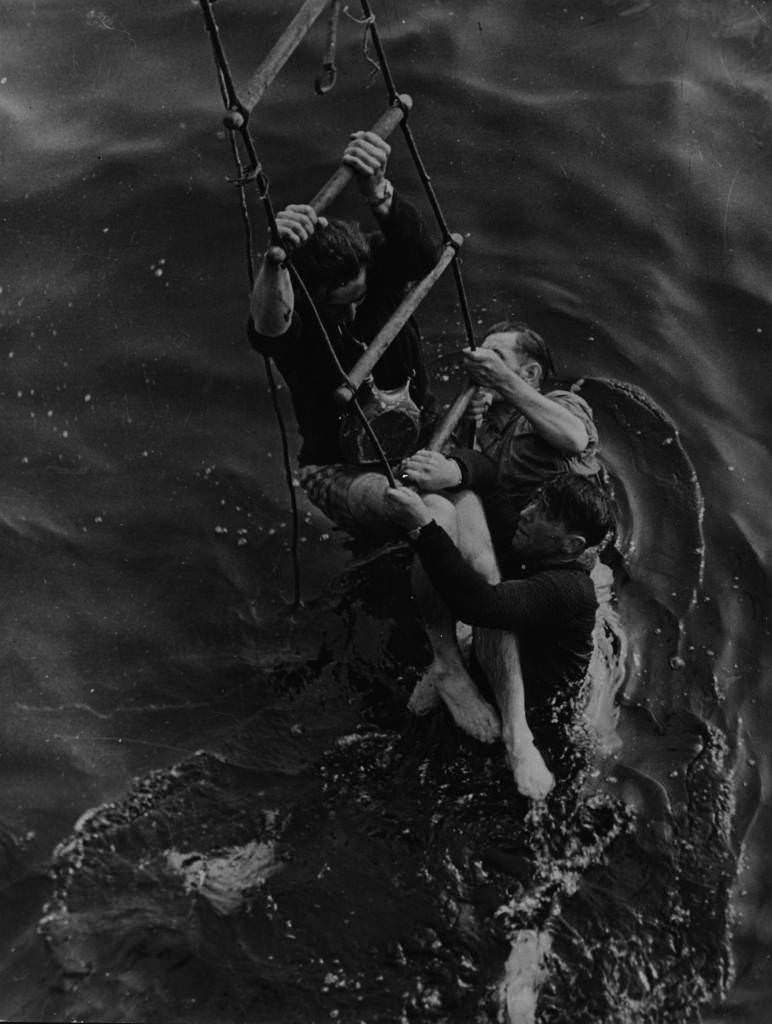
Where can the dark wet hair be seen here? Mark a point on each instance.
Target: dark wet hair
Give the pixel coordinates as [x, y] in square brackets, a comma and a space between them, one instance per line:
[333, 256]
[582, 503]
[529, 343]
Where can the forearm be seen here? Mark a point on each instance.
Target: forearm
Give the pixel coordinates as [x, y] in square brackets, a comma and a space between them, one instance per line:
[273, 300]
[466, 593]
[552, 421]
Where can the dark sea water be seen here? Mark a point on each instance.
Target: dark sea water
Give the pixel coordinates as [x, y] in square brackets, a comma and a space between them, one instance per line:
[609, 164]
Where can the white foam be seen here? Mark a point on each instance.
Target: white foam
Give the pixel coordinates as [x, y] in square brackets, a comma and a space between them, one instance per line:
[227, 878]
[523, 974]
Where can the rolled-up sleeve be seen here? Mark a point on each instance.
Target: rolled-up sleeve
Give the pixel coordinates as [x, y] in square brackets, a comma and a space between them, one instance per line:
[277, 345]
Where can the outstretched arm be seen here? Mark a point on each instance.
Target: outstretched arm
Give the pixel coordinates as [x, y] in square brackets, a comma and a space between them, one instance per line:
[513, 605]
[557, 425]
[273, 300]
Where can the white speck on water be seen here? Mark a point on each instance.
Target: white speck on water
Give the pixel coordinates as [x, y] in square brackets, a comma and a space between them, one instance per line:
[87, 398]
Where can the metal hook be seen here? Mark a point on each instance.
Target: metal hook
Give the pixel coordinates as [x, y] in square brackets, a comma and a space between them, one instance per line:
[326, 79]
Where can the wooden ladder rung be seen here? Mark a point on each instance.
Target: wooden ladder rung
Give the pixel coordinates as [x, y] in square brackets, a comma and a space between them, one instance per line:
[282, 50]
[384, 126]
[451, 419]
[365, 364]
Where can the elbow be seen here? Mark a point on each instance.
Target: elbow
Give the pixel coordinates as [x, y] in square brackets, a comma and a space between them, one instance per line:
[269, 323]
[574, 442]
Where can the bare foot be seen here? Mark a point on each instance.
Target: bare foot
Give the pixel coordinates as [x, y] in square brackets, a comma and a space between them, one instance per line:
[532, 777]
[470, 712]
[464, 639]
[523, 975]
[424, 697]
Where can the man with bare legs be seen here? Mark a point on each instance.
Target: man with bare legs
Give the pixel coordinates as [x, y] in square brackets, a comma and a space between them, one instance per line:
[526, 437]
[545, 608]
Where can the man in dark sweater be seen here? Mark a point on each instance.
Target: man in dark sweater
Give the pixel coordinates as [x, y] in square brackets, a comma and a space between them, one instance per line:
[546, 605]
[355, 281]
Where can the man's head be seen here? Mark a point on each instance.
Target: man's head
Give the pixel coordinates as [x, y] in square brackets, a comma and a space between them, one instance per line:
[333, 263]
[569, 514]
[523, 350]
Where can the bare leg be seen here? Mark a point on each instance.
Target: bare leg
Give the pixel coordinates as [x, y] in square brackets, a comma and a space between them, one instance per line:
[499, 657]
[463, 519]
[447, 678]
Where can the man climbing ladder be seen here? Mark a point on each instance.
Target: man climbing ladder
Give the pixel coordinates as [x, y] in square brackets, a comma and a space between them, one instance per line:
[356, 282]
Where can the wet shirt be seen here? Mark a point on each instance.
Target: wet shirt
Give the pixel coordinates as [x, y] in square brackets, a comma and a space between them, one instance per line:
[402, 251]
[514, 461]
[551, 609]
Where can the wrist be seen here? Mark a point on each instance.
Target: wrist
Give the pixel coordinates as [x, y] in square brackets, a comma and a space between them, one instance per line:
[513, 389]
[380, 194]
[415, 532]
[455, 472]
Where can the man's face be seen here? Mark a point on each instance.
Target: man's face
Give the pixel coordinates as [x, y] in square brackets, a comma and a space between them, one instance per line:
[506, 345]
[342, 303]
[539, 537]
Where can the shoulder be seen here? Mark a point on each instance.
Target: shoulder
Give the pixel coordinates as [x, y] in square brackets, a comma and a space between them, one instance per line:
[571, 401]
[571, 589]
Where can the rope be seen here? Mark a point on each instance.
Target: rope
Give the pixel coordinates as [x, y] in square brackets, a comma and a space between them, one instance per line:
[236, 120]
[325, 81]
[365, 23]
[344, 378]
[372, 28]
[231, 102]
